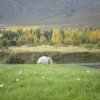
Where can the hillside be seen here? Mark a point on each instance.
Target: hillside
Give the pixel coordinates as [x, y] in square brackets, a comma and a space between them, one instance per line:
[29, 12]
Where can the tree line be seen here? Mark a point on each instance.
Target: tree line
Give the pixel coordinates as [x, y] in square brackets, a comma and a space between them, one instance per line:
[35, 35]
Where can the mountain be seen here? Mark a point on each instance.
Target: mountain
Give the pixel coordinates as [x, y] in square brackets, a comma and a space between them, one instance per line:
[29, 12]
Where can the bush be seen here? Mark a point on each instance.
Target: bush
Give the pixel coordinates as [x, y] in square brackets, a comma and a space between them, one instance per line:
[13, 43]
[97, 45]
[5, 42]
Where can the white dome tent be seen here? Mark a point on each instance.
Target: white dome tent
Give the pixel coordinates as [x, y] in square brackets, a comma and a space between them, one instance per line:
[45, 60]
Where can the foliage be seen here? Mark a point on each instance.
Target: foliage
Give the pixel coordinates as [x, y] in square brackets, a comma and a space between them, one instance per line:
[4, 42]
[94, 36]
[36, 35]
[56, 36]
[97, 45]
[42, 38]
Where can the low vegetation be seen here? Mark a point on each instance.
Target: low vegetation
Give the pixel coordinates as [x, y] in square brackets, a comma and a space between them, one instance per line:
[59, 54]
[48, 82]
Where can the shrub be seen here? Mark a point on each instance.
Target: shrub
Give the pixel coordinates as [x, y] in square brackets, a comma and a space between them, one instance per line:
[13, 43]
[5, 42]
[97, 45]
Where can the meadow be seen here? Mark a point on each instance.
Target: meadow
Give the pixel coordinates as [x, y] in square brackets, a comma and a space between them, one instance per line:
[48, 82]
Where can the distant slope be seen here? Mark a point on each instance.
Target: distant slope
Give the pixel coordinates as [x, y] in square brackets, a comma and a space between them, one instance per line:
[28, 12]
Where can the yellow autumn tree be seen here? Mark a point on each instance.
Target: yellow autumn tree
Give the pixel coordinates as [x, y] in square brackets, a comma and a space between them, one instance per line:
[36, 39]
[42, 38]
[70, 35]
[56, 36]
[94, 36]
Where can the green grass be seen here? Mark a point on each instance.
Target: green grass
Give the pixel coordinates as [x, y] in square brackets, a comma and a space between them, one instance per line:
[49, 82]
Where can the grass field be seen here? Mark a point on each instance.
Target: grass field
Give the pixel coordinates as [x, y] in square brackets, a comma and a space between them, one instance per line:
[49, 82]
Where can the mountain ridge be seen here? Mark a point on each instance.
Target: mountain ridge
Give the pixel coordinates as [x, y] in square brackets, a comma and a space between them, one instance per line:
[28, 12]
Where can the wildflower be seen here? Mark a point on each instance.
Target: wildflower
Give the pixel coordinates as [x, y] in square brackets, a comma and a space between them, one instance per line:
[78, 79]
[74, 73]
[21, 72]
[35, 72]
[1, 85]
[17, 80]
[43, 76]
[88, 71]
